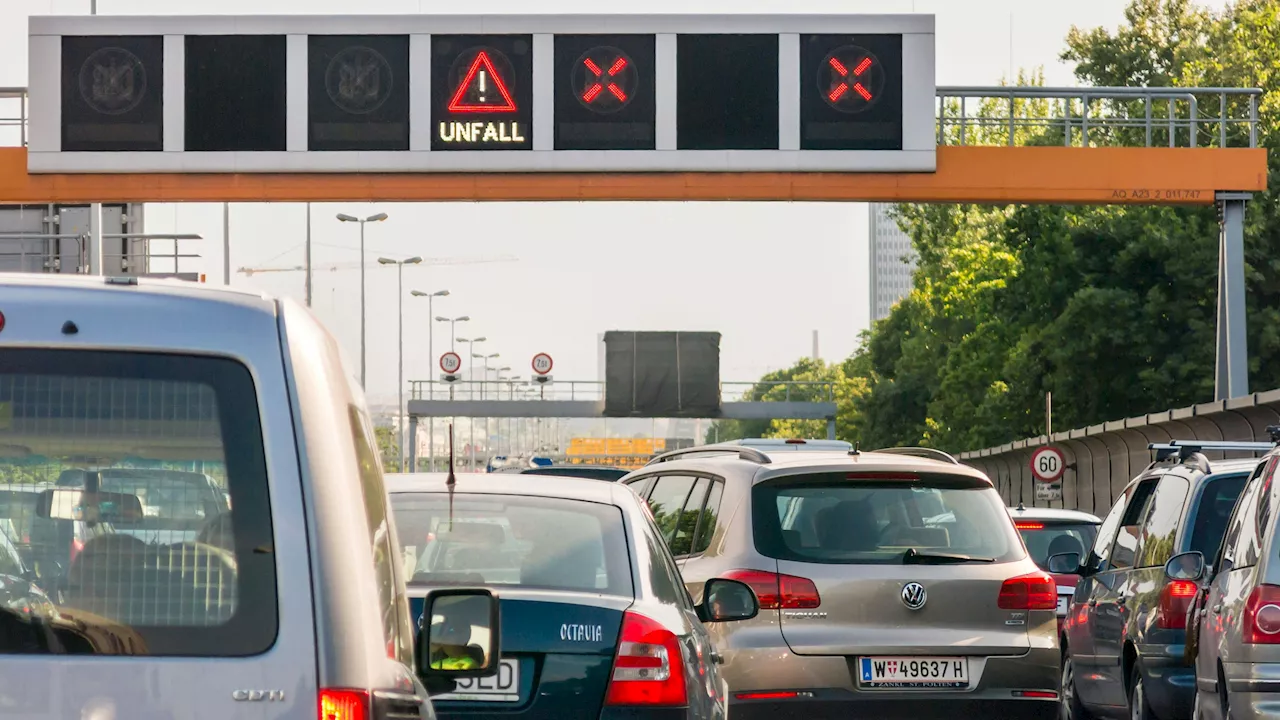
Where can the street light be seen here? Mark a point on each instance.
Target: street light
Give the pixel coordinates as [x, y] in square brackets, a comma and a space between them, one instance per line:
[431, 351]
[471, 377]
[400, 372]
[453, 328]
[485, 381]
[372, 218]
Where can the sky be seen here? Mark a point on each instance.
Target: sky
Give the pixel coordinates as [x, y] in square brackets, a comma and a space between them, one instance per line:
[551, 277]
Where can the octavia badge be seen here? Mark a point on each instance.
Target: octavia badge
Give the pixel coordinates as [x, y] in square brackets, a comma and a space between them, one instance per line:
[914, 595]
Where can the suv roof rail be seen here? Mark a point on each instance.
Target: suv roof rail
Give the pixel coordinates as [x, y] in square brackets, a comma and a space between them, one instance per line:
[920, 452]
[749, 454]
[1184, 448]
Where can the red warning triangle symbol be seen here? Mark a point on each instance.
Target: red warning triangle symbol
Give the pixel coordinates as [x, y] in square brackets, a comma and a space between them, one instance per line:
[476, 91]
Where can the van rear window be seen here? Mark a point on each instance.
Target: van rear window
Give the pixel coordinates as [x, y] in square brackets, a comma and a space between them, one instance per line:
[118, 472]
[842, 519]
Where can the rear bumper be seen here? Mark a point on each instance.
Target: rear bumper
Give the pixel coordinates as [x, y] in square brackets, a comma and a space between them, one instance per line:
[1254, 690]
[846, 704]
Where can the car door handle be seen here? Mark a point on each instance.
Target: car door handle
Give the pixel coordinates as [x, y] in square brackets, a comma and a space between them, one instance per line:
[717, 658]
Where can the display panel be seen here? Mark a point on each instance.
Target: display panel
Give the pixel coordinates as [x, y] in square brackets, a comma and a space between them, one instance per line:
[235, 92]
[358, 92]
[113, 93]
[727, 92]
[851, 92]
[482, 92]
[604, 89]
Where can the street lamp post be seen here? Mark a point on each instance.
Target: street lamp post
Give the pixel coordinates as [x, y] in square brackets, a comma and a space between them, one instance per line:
[431, 351]
[471, 377]
[453, 329]
[401, 430]
[372, 218]
[483, 382]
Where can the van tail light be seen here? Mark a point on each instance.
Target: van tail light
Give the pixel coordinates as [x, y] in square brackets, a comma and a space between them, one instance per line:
[76, 546]
[1175, 601]
[648, 668]
[1028, 525]
[778, 591]
[1262, 616]
[344, 705]
[1034, 591]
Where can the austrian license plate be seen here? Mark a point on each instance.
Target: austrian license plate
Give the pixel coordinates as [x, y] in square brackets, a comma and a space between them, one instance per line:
[914, 672]
[503, 687]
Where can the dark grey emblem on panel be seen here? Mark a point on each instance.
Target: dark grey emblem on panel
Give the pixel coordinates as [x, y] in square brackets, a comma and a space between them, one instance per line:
[113, 81]
[358, 80]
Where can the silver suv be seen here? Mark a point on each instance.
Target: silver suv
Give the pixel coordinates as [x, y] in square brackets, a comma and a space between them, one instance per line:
[891, 583]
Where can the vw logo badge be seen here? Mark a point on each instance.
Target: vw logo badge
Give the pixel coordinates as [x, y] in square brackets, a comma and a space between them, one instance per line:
[914, 595]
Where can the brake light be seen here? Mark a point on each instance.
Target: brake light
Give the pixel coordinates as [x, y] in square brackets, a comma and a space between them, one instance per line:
[1262, 616]
[76, 546]
[1, 322]
[882, 476]
[795, 441]
[1028, 525]
[774, 590]
[1034, 591]
[649, 667]
[766, 695]
[344, 705]
[1175, 600]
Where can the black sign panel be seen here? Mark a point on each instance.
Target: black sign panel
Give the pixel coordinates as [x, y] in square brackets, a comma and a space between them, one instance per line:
[358, 92]
[851, 92]
[604, 92]
[482, 92]
[112, 93]
[235, 92]
[727, 92]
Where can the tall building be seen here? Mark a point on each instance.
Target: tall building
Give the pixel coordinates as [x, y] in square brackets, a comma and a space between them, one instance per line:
[892, 261]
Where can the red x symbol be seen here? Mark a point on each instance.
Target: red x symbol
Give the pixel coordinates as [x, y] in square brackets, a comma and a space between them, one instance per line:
[846, 77]
[599, 86]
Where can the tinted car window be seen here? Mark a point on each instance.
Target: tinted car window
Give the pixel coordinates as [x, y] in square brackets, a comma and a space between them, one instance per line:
[1241, 543]
[1046, 539]
[1125, 551]
[707, 525]
[1101, 552]
[1160, 529]
[1218, 497]
[666, 502]
[132, 424]
[516, 540]
[641, 487]
[687, 523]
[827, 518]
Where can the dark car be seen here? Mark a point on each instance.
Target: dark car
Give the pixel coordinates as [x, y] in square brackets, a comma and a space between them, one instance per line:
[593, 472]
[595, 620]
[1126, 626]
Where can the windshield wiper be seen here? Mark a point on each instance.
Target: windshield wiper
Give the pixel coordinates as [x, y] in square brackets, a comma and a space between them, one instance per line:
[915, 557]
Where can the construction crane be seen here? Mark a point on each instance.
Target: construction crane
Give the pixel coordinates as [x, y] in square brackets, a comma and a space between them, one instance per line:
[333, 267]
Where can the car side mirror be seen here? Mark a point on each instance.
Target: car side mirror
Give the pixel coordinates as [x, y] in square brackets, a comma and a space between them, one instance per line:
[726, 600]
[1064, 563]
[1187, 566]
[459, 637]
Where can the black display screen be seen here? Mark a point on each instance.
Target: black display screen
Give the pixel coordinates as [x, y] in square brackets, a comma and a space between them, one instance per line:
[113, 93]
[727, 92]
[851, 92]
[235, 92]
[358, 92]
[604, 92]
[482, 92]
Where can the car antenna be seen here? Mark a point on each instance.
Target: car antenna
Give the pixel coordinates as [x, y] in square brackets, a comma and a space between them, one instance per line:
[452, 480]
[1021, 506]
[855, 451]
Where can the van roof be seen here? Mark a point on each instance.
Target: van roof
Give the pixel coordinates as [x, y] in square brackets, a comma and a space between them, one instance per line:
[556, 486]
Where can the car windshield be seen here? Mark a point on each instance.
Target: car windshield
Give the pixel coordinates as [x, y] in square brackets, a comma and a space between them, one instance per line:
[513, 540]
[1045, 538]
[831, 518]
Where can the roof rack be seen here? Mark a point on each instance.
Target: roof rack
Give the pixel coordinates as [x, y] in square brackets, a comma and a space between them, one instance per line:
[1184, 448]
[744, 453]
[920, 452]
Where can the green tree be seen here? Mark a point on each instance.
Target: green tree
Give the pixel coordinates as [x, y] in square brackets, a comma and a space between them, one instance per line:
[388, 447]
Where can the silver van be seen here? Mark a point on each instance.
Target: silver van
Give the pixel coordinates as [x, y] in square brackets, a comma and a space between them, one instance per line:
[288, 601]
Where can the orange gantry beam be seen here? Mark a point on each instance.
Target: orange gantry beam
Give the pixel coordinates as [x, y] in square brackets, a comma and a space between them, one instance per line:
[1001, 175]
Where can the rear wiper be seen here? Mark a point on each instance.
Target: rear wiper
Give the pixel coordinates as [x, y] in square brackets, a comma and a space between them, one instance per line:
[915, 557]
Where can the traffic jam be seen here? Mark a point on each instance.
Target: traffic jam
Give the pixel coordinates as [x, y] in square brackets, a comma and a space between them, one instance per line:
[198, 524]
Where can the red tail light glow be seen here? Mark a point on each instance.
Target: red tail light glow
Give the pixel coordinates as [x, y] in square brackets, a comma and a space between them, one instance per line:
[766, 695]
[1035, 591]
[1262, 616]
[776, 591]
[1041, 694]
[1, 322]
[344, 705]
[648, 668]
[1028, 525]
[1175, 600]
[76, 546]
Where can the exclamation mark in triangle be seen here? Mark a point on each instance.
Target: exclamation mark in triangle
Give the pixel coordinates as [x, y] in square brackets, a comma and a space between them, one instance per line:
[478, 79]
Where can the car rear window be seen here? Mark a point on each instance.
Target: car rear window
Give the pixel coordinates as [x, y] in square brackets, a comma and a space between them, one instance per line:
[1046, 538]
[513, 540]
[1218, 496]
[130, 546]
[842, 518]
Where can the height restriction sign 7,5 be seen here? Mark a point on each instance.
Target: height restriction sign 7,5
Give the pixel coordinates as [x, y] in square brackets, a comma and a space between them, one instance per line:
[481, 92]
[542, 363]
[450, 363]
[1047, 464]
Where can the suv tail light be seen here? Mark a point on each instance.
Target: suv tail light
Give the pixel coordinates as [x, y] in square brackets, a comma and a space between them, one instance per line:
[649, 667]
[344, 705]
[1034, 591]
[1175, 601]
[774, 590]
[1262, 616]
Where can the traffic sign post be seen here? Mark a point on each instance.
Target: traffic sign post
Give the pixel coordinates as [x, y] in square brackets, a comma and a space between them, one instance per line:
[1048, 464]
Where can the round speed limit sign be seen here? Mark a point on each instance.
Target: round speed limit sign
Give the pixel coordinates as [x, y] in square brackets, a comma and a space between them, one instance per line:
[1047, 464]
[450, 363]
[542, 363]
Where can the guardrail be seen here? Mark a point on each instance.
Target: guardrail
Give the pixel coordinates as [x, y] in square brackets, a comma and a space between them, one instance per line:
[13, 117]
[779, 391]
[1085, 116]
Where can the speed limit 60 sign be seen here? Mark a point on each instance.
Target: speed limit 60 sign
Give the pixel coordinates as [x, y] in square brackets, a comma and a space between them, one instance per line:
[542, 363]
[1047, 464]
